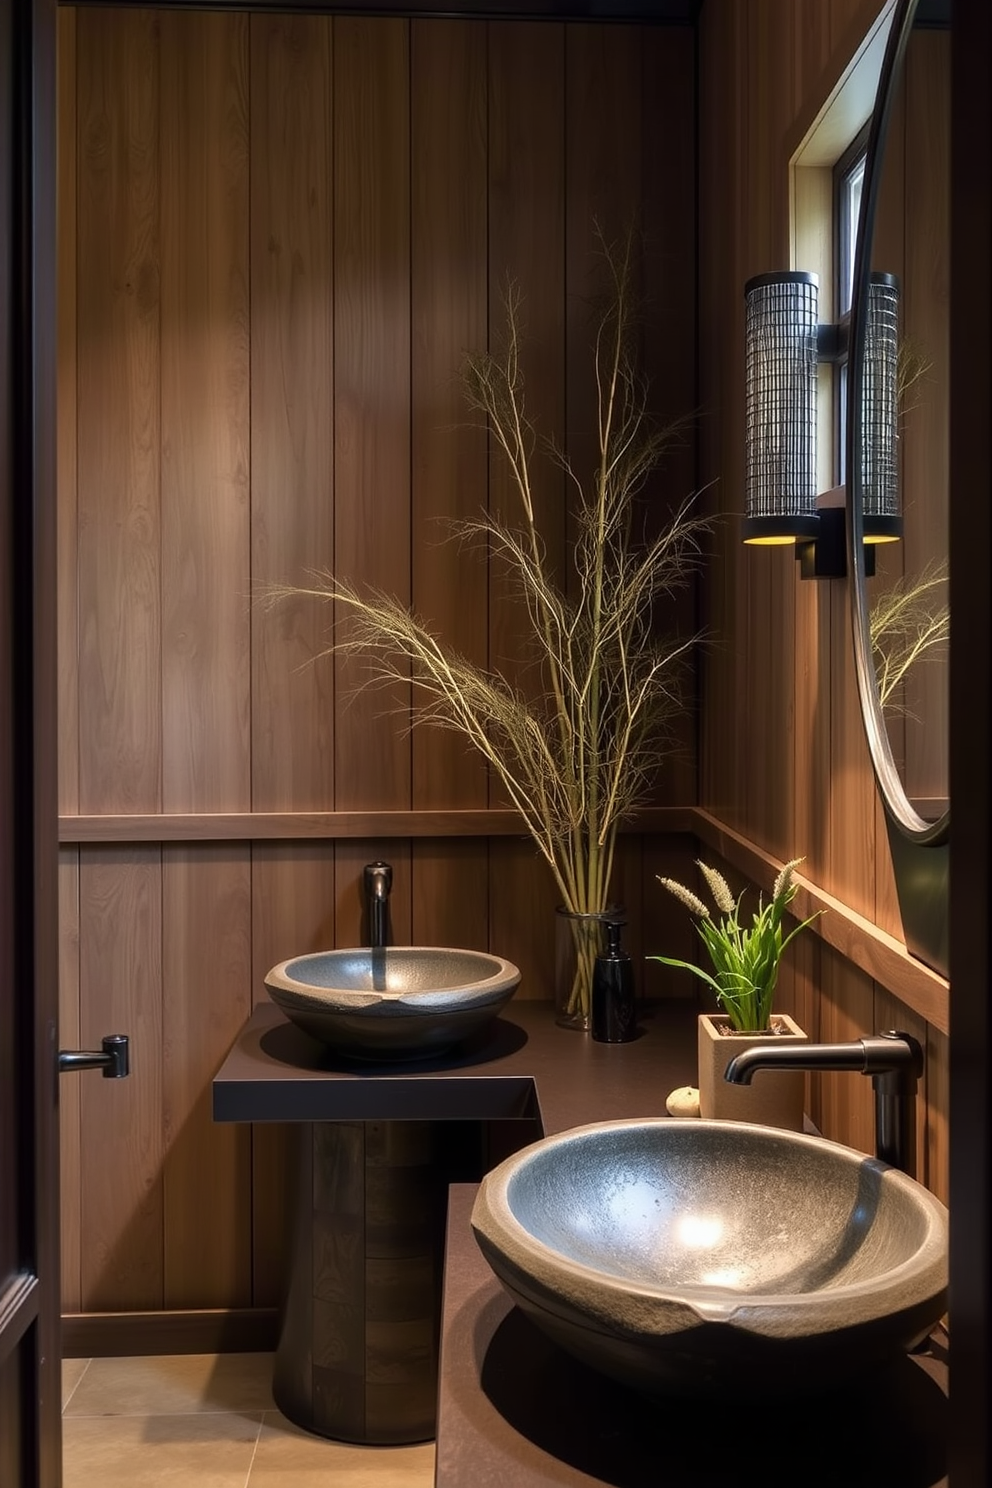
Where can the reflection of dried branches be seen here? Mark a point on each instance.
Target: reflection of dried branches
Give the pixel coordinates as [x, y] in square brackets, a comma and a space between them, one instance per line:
[912, 365]
[574, 760]
[906, 621]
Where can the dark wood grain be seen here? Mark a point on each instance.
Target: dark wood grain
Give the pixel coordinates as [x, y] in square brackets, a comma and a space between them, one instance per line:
[205, 458]
[122, 1148]
[448, 317]
[371, 141]
[119, 387]
[206, 916]
[292, 408]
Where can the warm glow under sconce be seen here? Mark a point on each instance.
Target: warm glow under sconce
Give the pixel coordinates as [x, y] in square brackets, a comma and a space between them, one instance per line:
[784, 345]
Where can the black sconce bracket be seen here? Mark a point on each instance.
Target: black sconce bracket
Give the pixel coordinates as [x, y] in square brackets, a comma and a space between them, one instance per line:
[831, 341]
[825, 556]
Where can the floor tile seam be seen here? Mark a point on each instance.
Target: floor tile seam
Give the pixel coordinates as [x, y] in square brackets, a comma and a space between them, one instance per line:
[76, 1386]
[244, 1413]
[254, 1451]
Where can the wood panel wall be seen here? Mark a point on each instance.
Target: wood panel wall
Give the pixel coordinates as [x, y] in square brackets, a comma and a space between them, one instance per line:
[796, 777]
[278, 235]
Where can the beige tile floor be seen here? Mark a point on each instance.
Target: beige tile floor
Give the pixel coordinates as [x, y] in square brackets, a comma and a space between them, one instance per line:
[207, 1421]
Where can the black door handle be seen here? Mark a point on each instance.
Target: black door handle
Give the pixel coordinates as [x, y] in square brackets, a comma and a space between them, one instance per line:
[114, 1059]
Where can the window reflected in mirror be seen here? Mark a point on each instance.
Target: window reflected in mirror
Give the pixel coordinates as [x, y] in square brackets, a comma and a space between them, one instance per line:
[849, 175]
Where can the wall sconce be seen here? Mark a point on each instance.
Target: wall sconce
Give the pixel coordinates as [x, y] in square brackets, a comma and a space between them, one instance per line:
[882, 519]
[784, 344]
[780, 436]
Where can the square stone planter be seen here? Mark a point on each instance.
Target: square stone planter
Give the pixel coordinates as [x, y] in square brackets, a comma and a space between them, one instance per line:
[774, 1097]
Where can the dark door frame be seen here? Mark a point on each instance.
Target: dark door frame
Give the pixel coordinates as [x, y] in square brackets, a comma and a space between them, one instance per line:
[30, 1343]
[971, 740]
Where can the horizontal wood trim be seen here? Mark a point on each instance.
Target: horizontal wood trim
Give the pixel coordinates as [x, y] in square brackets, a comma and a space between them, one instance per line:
[873, 950]
[99, 1335]
[876, 952]
[289, 826]
[663, 12]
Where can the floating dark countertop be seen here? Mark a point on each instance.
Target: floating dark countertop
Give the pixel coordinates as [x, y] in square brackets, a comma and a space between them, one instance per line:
[514, 1411]
[522, 1066]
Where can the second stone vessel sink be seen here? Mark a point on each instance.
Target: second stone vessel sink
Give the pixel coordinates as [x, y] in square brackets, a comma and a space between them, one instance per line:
[713, 1257]
[400, 1002]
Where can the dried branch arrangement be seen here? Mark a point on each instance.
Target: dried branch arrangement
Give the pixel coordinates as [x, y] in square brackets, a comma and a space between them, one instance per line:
[576, 752]
[906, 621]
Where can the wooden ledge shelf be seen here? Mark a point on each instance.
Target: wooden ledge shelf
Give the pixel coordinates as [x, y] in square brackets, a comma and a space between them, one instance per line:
[292, 826]
[880, 955]
[871, 949]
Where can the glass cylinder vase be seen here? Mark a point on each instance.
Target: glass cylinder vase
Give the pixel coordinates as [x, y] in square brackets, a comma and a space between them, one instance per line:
[579, 939]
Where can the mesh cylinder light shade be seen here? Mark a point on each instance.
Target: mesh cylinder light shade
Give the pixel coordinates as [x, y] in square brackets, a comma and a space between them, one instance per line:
[781, 318]
[880, 412]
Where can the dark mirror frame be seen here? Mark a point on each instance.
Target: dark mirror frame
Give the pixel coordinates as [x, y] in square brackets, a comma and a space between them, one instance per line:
[897, 804]
[919, 848]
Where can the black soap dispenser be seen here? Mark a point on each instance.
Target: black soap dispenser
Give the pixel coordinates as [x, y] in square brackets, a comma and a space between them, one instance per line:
[613, 1020]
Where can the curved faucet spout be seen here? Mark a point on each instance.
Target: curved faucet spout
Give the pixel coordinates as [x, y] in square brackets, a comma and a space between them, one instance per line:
[895, 1062]
[378, 881]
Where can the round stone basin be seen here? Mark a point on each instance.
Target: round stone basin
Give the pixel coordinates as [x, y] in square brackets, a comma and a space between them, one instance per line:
[714, 1257]
[402, 1002]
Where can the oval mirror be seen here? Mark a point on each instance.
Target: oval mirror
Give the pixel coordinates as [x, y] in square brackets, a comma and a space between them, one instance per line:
[897, 449]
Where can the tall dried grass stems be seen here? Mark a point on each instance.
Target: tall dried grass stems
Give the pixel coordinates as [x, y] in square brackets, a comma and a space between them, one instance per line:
[576, 753]
[907, 620]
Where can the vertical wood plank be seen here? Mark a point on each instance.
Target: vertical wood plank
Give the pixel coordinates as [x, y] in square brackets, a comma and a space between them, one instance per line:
[205, 406]
[723, 212]
[668, 188]
[120, 990]
[292, 889]
[527, 248]
[603, 142]
[843, 1102]
[522, 900]
[854, 837]
[118, 411]
[371, 384]
[448, 207]
[450, 902]
[292, 408]
[813, 238]
[70, 1149]
[765, 722]
[206, 973]
[938, 1109]
[66, 408]
[667, 929]
[448, 317]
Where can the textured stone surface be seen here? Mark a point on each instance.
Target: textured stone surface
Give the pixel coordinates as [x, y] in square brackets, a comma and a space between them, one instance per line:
[701, 1255]
[400, 1002]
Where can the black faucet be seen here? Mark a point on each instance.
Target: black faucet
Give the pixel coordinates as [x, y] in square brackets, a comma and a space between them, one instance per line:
[895, 1062]
[378, 879]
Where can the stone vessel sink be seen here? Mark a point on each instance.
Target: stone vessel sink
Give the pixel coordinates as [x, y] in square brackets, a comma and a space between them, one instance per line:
[403, 1002]
[714, 1257]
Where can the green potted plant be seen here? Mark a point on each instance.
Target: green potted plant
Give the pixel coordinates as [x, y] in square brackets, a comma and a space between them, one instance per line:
[575, 753]
[745, 958]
